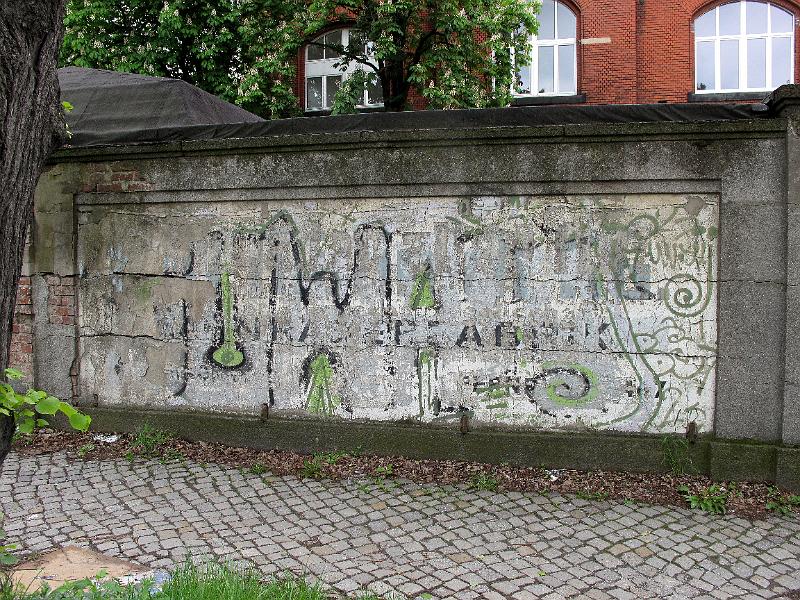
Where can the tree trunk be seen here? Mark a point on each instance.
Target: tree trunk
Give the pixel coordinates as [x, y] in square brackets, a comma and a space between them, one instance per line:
[31, 127]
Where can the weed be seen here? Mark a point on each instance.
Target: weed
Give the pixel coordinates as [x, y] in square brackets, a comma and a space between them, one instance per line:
[312, 468]
[85, 449]
[589, 495]
[484, 481]
[258, 469]
[148, 441]
[676, 455]
[330, 458]
[384, 471]
[713, 499]
[781, 503]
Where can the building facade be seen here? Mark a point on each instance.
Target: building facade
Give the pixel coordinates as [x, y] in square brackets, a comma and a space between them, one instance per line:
[625, 52]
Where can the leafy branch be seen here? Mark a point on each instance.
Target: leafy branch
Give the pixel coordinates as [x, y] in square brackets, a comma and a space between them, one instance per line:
[28, 409]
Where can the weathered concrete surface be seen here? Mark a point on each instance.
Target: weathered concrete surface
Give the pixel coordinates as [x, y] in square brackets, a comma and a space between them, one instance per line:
[627, 277]
[558, 312]
[449, 542]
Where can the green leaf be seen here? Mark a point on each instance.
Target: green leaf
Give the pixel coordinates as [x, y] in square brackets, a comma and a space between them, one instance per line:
[67, 106]
[67, 409]
[14, 374]
[25, 425]
[48, 405]
[42, 423]
[8, 560]
[80, 421]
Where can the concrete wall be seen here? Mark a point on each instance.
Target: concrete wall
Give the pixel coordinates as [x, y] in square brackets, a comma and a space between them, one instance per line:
[628, 277]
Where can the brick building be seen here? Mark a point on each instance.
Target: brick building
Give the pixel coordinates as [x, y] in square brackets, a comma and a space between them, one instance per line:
[626, 52]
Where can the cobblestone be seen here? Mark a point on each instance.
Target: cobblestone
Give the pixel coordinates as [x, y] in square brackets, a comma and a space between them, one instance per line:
[414, 540]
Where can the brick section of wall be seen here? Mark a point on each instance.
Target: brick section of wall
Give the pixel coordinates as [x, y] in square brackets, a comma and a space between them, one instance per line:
[21, 356]
[60, 300]
[60, 311]
[117, 177]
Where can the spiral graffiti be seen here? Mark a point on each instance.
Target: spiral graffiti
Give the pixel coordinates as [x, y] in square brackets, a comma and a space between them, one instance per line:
[685, 296]
[569, 386]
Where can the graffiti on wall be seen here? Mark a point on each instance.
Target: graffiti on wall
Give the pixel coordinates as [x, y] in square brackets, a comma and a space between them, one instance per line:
[552, 312]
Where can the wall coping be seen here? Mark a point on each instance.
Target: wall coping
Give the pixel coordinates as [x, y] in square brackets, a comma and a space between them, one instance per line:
[484, 135]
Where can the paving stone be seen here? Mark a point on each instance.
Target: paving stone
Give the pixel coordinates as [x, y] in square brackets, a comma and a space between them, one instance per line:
[448, 541]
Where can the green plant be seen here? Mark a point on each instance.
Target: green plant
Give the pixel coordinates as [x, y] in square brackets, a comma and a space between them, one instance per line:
[148, 441]
[781, 503]
[27, 409]
[676, 455]
[85, 449]
[330, 458]
[484, 481]
[384, 471]
[589, 495]
[312, 468]
[258, 469]
[712, 499]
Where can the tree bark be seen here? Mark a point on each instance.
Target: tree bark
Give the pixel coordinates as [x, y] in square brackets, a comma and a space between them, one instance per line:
[31, 127]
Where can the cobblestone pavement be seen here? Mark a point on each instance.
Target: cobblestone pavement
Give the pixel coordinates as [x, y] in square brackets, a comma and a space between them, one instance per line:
[449, 542]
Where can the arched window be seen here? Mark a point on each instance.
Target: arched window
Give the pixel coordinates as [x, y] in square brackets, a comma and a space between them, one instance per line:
[743, 47]
[553, 63]
[324, 75]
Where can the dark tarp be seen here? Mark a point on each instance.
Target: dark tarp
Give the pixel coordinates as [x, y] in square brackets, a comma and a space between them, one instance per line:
[119, 108]
[113, 108]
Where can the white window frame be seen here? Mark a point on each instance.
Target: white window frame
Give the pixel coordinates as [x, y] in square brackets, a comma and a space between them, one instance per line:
[325, 67]
[536, 43]
[742, 37]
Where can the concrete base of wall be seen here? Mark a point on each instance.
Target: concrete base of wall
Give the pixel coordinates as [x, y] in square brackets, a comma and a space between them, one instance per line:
[720, 459]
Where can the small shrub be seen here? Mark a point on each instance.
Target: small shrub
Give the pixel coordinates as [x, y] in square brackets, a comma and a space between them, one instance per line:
[28, 409]
[484, 481]
[712, 499]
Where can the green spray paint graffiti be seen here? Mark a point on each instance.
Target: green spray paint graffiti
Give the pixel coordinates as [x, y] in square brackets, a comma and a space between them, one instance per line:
[228, 355]
[558, 389]
[320, 400]
[422, 295]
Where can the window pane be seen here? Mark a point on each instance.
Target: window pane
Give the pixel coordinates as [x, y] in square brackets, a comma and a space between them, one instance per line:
[781, 61]
[757, 63]
[729, 64]
[356, 41]
[374, 91]
[705, 66]
[729, 18]
[332, 85]
[334, 37]
[547, 24]
[782, 21]
[316, 52]
[546, 68]
[706, 25]
[566, 69]
[756, 17]
[522, 83]
[314, 92]
[566, 22]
